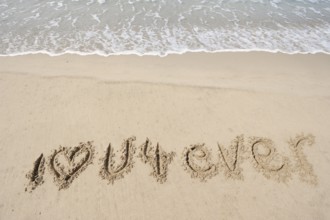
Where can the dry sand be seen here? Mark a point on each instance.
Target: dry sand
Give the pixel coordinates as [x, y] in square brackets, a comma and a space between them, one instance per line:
[194, 136]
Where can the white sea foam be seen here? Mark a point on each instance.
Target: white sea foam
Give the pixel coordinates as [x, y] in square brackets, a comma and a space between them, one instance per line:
[161, 27]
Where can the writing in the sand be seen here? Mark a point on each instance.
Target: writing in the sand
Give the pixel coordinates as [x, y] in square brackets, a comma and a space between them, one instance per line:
[67, 163]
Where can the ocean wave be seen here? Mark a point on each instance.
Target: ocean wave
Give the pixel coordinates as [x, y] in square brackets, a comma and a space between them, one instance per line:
[101, 53]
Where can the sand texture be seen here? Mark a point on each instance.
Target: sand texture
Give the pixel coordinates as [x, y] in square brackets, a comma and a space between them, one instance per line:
[194, 136]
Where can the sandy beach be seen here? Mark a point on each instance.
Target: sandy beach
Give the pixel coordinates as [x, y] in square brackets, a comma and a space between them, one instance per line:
[240, 136]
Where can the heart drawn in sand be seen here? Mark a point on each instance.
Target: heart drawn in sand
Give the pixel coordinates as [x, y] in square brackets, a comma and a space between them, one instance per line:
[67, 163]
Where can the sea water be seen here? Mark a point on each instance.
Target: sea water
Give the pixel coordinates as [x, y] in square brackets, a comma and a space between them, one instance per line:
[161, 27]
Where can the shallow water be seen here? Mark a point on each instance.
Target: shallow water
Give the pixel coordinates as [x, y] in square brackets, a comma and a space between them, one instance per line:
[160, 27]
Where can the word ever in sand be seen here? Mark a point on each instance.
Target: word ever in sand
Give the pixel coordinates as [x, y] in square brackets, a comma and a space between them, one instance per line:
[67, 163]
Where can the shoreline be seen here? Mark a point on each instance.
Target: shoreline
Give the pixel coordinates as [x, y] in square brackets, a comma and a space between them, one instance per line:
[134, 53]
[244, 71]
